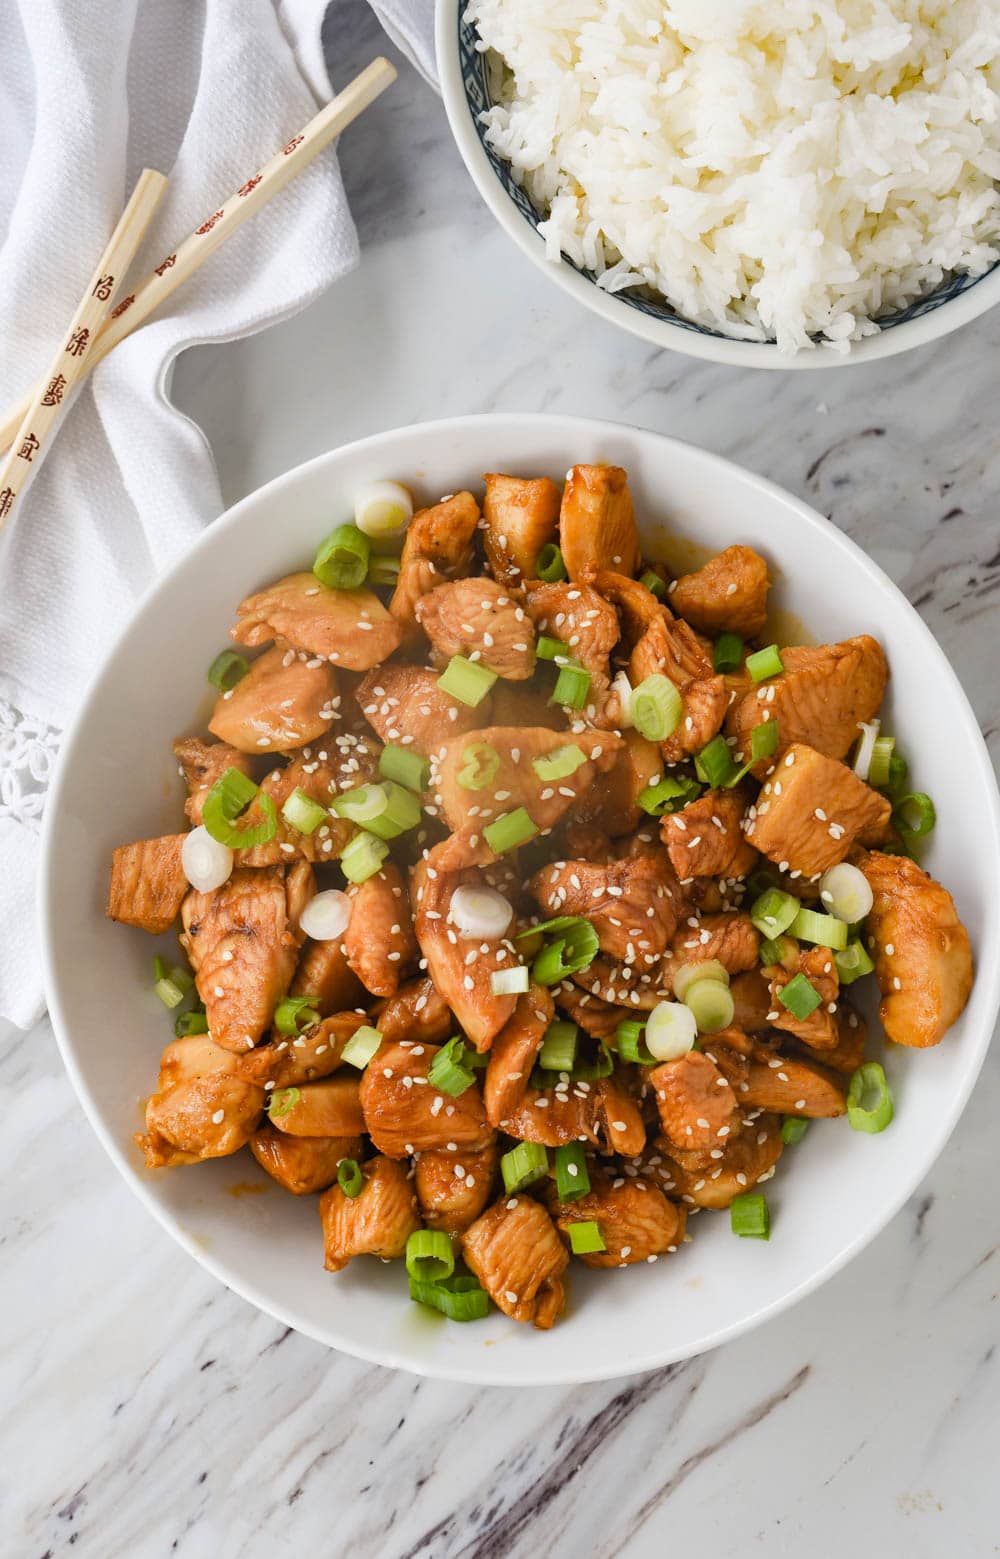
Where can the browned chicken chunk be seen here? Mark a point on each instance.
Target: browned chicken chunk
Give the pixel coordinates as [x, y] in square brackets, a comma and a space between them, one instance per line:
[636, 1221]
[453, 1189]
[351, 628]
[697, 1106]
[405, 1114]
[285, 700]
[821, 697]
[330, 1108]
[202, 764]
[793, 1087]
[579, 617]
[438, 546]
[513, 1052]
[316, 776]
[147, 884]
[518, 1257]
[521, 516]
[324, 973]
[923, 961]
[477, 618]
[612, 806]
[379, 941]
[601, 1113]
[628, 903]
[200, 1110]
[597, 522]
[820, 1028]
[286, 1061]
[728, 594]
[417, 1012]
[810, 813]
[302, 1165]
[744, 1161]
[730, 939]
[376, 1222]
[514, 781]
[704, 839]
[406, 707]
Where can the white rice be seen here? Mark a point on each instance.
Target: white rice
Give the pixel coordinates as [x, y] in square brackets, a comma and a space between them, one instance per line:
[776, 169]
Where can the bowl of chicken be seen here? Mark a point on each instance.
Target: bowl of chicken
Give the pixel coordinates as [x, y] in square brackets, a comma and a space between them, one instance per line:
[515, 925]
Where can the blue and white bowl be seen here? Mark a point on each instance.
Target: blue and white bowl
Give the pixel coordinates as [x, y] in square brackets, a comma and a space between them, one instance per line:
[468, 80]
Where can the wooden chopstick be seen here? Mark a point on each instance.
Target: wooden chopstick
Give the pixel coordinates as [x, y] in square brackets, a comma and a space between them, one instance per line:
[230, 215]
[76, 354]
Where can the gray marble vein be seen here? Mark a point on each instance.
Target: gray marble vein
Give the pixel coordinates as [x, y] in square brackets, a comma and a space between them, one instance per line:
[150, 1412]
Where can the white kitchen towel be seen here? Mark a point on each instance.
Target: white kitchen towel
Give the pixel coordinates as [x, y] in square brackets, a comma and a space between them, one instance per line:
[202, 90]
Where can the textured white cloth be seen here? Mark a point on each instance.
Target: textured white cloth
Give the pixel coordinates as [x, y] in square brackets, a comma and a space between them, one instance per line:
[203, 91]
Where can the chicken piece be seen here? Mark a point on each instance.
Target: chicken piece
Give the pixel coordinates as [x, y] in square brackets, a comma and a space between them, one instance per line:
[628, 903]
[849, 1052]
[697, 1107]
[324, 973]
[201, 1109]
[194, 1055]
[518, 1257]
[513, 1052]
[330, 1108]
[728, 594]
[731, 939]
[302, 1164]
[704, 838]
[285, 700]
[417, 1012]
[405, 1114]
[820, 1028]
[453, 1193]
[516, 703]
[671, 649]
[810, 813]
[316, 776]
[242, 944]
[613, 805]
[478, 619]
[463, 980]
[705, 703]
[577, 615]
[351, 628]
[379, 942]
[286, 1062]
[923, 960]
[521, 516]
[202, 764]
[637, 606]
[596, 521]
[584, 841]
[438, 546]
[376, 1222]
[147, 884]
[637, 986]
[515, 782]
[602, 1113]
[404, 705]
[792, 1087]
[596, 1017]
[751, 995]
[821, 697]
[636, 1221]
[746, 1160]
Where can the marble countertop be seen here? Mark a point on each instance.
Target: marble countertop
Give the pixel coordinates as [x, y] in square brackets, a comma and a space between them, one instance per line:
[150, 1411]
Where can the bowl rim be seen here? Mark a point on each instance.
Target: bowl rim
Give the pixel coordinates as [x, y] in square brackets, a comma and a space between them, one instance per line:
[932, 326]
[572, 430]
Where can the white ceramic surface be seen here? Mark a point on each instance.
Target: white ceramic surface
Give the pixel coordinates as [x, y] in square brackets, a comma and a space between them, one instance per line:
[902, 337]
[118, 781]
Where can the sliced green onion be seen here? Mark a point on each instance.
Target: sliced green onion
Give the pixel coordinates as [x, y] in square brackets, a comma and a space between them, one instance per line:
[712, 1004]
[653, 583]
[510, 830]
[363, 857]
[282, 1101]
[302, 812]
[549, 564]
[194, 1022]
[400, 814]
[764, 740]
[793, 1129]
[342, 559]
[776, 950]
[558, 1052]
[866, 747]
[383, 508]
[765, 663]
[572, 1179]
[869, 1102]
[749, 1217]
[551, 649]
[668, 795]
[774, 911]
[349, 1177]
[405, 767]
[689, 974]
[430, 1256]
[560, 763]
[466, 680]
[227, 669]
[823, 930]
[446, 1072]
[361, 804]
[574, 949]
[459, 1298]
[631, 1047]
[171, 985]
[728, 652]
[560, 923]
[656, 708]
[714, 764]
[899, 773]
[384, 570]
[585, 1239]
[362, 1046]
[844, 891]
[295, 1014]
[800, 997]
[523, 1165]
[227, 800]
[572, 687]
[513, 981]
[480, 764]
[914, 815]
[853, 963]
[881, 758]
[671, 1030]
[593, 1071]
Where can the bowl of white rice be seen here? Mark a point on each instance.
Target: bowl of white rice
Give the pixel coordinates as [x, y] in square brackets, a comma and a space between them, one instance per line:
[766, 183]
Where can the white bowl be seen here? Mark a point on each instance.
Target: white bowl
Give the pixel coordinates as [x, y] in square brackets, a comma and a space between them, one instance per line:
[117, 780]
[466, 89]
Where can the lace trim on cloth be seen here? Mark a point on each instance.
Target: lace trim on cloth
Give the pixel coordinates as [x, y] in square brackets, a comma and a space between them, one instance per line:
[28, 751]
